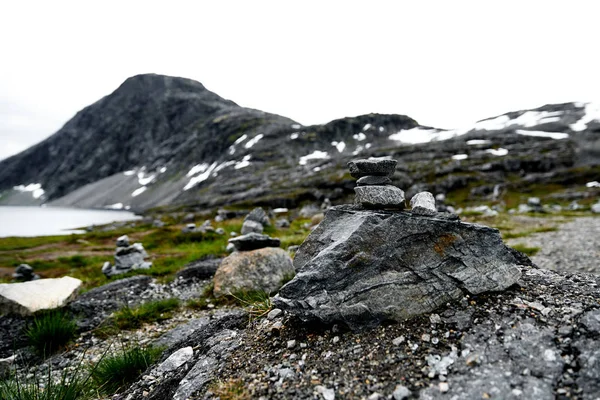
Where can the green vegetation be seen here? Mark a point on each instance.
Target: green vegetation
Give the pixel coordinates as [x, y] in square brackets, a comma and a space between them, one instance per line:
[132, 318]
[51, 331]
[530, 251]
[70, 387]
[256, 303]
[512, 235]
[115, 372]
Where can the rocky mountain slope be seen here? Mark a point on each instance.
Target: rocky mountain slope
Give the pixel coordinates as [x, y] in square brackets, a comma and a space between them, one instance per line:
[169, 142]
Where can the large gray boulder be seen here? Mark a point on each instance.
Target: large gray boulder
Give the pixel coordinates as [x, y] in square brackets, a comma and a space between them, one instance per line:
[263, 270]
[25, 298]
[362, 267]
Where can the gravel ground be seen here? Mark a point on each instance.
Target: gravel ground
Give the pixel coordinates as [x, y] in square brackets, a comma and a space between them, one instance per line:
[574, 247]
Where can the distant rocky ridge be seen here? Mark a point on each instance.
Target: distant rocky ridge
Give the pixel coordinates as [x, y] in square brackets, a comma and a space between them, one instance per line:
[160, 141]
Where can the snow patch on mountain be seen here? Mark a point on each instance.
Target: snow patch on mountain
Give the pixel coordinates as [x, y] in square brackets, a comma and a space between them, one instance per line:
[244, 163]
[200, 178]
[553, 135]
[254, 140]
[315, 155]
[35, 189]
[591, 113]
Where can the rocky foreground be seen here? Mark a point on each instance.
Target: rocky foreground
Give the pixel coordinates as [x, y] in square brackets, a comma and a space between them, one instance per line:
[386, 302]
[538, 339]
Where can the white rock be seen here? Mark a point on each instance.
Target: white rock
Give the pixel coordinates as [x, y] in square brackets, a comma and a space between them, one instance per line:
[175, 360]
[423, 200]
[401, 392]
[42, 294]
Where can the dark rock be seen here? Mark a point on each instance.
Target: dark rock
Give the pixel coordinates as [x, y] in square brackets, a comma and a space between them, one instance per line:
[262, 270]
[374, 167]
[382, 197]
[371, 180]
[253, 241]
[93, 306]
[213, 338]
[24, 273]
[200, 270]
[392, 265]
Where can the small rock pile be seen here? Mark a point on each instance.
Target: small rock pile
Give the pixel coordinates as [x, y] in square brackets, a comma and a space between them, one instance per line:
[257, 264]
[205, 227]
[127, 258]
[375, 189]
[24, 273]
[255, 221]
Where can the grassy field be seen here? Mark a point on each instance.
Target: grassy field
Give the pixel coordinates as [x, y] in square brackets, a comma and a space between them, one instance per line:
[82, 256]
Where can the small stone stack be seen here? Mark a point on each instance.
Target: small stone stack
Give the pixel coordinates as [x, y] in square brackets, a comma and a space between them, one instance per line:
[375, 189]
[24, 273]
[127, 258]
[255, 221]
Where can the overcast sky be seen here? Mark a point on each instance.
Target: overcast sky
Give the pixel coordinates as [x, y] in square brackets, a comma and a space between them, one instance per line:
[444, 63]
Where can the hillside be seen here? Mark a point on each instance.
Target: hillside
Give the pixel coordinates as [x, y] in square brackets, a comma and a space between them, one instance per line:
[160, 141]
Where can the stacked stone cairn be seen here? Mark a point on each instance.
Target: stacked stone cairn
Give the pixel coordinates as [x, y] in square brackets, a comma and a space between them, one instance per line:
[192, 228]
[24, 273]
[127, 258]
[257, 263]
[375, 189]
[374, 261]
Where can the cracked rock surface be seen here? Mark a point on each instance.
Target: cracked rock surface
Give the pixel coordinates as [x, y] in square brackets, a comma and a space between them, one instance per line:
[363, 267]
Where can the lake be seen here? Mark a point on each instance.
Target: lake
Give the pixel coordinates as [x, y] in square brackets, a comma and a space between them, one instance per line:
[47, 221]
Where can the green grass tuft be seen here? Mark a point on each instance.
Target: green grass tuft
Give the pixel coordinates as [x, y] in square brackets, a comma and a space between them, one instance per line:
[70, 387]
[132, 318]
[530, 251]
[51, 331]
[256, 303]
[116, 372]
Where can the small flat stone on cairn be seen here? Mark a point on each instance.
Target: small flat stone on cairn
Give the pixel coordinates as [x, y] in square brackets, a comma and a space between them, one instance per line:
[253, 241]
[423, 201]
[374, 167]
[123, 241]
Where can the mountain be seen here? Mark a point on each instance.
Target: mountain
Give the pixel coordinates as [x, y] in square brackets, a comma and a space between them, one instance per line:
[160, 141]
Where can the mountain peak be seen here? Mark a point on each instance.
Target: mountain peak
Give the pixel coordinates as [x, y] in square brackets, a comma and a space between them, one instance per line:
[158, 83]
